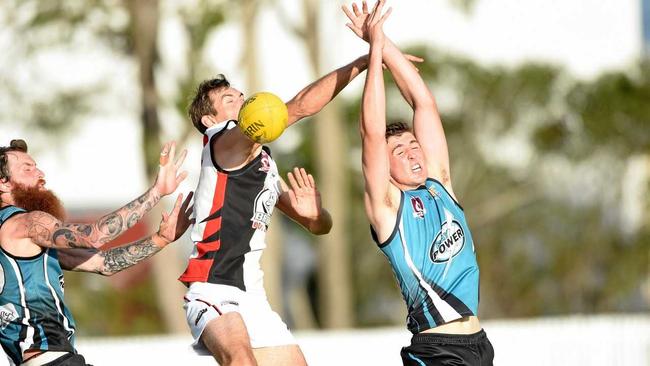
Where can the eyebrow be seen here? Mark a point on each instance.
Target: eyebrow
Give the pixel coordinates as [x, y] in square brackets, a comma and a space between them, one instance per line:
[396, 147]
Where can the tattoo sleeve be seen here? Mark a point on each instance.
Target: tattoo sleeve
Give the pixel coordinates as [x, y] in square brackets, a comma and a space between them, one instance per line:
[46, 230]
[120, 258]
[114, 224]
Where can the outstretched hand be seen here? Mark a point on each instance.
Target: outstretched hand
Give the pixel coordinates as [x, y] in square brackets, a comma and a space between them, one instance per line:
[358, 16]
[373, 26]
[175, 223]
[303, 194]
[168, 178]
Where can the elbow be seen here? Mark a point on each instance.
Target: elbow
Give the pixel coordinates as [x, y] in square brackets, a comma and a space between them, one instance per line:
[321, 230]
[299, 110]
[424, 101]
[107, 273]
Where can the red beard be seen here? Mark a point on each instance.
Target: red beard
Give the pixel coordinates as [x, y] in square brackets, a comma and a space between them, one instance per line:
[34, 199]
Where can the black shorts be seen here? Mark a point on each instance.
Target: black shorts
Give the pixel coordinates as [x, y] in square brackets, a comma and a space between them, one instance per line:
[428, 349]
[71, 359]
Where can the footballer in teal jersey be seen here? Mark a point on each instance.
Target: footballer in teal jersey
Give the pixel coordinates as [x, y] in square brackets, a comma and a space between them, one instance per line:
[412, 209]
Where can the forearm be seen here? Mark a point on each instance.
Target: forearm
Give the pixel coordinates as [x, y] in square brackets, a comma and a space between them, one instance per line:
[116, 223]
[316, 95]
[408, 80]
[117, 259]
[373, 119]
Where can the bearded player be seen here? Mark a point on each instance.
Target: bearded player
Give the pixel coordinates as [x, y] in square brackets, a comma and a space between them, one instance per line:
[37, 244]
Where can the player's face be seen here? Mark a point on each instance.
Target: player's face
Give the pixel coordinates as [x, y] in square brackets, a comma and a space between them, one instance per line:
[407, 165]
[227, 102]
[23, 171]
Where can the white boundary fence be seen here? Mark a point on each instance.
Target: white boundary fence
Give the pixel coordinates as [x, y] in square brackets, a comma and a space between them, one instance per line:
[607, 340]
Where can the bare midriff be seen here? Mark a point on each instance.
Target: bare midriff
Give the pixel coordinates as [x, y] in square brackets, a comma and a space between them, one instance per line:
[467, 325]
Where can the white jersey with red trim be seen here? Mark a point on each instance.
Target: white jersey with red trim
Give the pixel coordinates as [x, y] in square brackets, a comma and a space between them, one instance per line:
[233, 211]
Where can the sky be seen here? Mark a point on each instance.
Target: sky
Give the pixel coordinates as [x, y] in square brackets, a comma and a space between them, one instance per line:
[100, 165]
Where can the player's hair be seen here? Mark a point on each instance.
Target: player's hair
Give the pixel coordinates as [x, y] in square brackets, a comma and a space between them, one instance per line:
[397, 128]
[14, 145]
[202, 104]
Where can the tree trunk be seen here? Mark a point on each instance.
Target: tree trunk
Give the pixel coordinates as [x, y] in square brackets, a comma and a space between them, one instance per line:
[166, 265]
[334, 270]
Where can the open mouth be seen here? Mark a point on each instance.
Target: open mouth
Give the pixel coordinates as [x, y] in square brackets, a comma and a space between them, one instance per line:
[416, 168]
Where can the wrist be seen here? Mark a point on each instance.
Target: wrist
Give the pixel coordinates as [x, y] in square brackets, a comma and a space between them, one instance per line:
[159, 240]
[362, 62]
[155, 191]
[321, 224]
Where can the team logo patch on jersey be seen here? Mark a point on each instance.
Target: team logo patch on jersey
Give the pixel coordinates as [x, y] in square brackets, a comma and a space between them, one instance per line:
[264, 203]
[8, 314]
[62, 282]
[418, 207]
[265, 162]
[449, 242]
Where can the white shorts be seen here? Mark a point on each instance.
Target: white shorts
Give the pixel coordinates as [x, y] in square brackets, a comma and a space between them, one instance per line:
[207, 301]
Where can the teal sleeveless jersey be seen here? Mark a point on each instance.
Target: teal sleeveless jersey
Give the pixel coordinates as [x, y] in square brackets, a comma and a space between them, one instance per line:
[432, 255]
[32, 312]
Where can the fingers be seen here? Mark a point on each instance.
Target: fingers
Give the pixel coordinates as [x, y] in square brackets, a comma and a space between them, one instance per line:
[300, 175]
[355, 9]
[355, 29]
[305, 178]
[172, 150]
[165, 216]
[177, 204]
[364, 7]
[180, 159]
[312, 182]
[348, 13]
[413, 58]
[181, 177]
[164, 154]
[376, 9]
[293, 182]
[187, 201]
[385, 16]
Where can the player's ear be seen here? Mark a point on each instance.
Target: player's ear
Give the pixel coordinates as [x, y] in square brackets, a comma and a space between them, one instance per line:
[207, 121]
[5, 186]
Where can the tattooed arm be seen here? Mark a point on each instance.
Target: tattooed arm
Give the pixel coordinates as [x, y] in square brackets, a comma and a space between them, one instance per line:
[114, 260]
[47, 231]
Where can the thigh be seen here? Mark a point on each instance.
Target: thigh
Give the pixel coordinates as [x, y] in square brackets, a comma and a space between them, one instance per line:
[280, 356]
[227, 339]
[265, 327]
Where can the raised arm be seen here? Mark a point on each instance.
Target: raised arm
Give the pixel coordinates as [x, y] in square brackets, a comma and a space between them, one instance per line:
[427, 125]
[374, 158]
[47, 231]
[114, 260]
[316, 95]
[302, 203]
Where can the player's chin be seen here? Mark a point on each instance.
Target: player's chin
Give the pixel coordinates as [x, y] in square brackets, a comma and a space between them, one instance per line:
[419, 177]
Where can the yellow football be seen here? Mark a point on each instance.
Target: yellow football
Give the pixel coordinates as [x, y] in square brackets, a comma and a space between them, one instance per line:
[263, 117]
